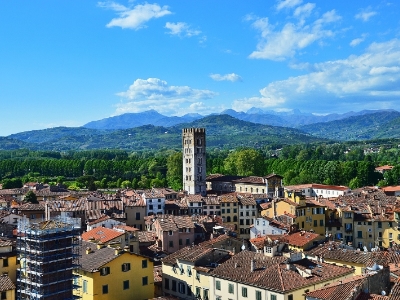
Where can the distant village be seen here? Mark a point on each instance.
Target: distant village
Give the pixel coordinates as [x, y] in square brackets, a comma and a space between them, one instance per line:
[222, 237]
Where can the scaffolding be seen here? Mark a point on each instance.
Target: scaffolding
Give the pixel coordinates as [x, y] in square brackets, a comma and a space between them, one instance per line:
[48, 253]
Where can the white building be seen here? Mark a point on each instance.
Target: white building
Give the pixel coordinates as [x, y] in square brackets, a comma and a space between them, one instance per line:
[320, 190]
[265, 226]
[155, 202]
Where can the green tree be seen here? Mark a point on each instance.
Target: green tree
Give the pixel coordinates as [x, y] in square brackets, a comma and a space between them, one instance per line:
[175, 171]
[31, 197]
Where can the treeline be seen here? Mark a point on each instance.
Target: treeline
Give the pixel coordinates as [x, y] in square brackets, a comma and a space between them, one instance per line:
[338, 164]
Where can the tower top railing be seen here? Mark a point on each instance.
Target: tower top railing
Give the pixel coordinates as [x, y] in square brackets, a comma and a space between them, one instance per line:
[193, 130]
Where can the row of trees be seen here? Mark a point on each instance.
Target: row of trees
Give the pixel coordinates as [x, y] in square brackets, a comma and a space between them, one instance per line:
[297, 164]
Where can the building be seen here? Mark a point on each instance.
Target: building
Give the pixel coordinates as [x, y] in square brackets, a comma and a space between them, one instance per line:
[173, 232]
[264, 226]
[48, 252]
[270, 184]
[319, 190]
[194, 160]
[186, 271]
[110, 273]
[247, 212]
[256, 276]
[155, 202]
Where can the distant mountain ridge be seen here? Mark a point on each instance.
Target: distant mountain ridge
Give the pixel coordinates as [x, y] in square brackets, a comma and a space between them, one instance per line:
[293, 118]
[223, 131]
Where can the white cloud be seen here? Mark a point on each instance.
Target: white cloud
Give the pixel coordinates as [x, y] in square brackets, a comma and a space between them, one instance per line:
[227, 77]
[112, 5]
[358, 41]
[367, 81]
[154, 93]
[288, 4]
[280, 44]
[181, 29]
[365, 14]
[136, 17]
[304, 11]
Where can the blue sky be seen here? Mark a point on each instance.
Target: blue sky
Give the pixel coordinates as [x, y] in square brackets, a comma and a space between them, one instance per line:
[65, 63]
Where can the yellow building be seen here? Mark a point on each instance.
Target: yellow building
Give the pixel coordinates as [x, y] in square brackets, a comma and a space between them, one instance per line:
[310, 214]
[343, 255]
[8, 262]
[7, 288]
[108, 273]
[230, 210]
[186, 272]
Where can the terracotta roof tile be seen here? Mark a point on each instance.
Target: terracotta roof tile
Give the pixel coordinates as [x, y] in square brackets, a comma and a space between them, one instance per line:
[101, 234]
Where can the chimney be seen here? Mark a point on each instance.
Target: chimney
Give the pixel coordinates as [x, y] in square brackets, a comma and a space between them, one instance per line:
[88, 250]
[252, 265]
[117, 251]
[100, 245]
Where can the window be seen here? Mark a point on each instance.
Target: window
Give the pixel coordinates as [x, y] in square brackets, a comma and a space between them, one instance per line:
[170, 232]
[273, 297]
[187, 241]
[241, 222]
[180, 242]
[321, 222]
[189, 271]
[84, 286]
[258, 295]
[218, 285]
[198, 275]
[104, 271]
[181, 287]
[244, 292]
[379, 224]
[174, 285]
[315, 223]
[198, 292]
[144, 263]
[390, 235]
[150, 207]
[145, 280]
[125, 285]
[189, 290]
[126, 267]
[230, 288]
[138, 216]
[166, 283]
[105, 289]
[290, 297]
[5, 262]
[359, 234]
[171, 244]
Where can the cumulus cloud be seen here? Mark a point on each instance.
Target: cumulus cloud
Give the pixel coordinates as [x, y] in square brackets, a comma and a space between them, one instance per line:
[367, 81]
[288, 4]
[181, 29]
[365, 14]
[135, 17]
[227, 77]
[154, 93]
[358, 41]
[280, 44]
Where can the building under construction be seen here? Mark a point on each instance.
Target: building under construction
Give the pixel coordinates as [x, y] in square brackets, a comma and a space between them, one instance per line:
[48, 252]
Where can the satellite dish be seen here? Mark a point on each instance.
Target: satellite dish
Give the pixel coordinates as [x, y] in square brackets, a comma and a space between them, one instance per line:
[243, 247]
[383, 293]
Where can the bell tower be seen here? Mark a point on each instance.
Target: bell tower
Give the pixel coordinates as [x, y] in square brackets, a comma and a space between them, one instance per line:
[194, 160]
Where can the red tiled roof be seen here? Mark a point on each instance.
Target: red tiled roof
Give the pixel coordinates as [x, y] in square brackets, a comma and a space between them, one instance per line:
[101, 234]
[299, 239]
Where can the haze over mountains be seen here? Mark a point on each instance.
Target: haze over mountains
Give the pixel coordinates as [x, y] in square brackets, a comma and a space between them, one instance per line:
[230, 129]
[293, 118]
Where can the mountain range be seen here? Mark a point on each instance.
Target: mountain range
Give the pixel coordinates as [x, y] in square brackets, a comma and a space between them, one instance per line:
[229, 130]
